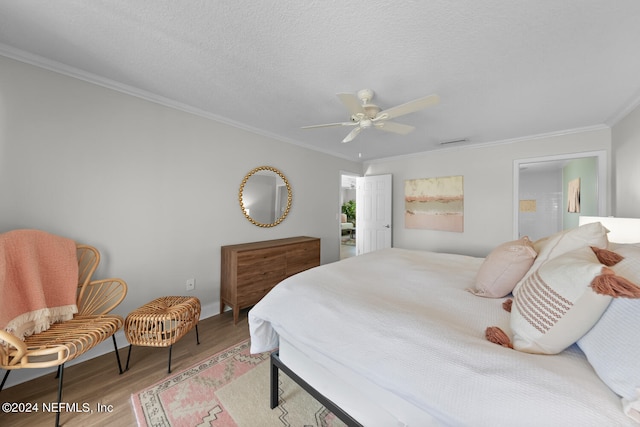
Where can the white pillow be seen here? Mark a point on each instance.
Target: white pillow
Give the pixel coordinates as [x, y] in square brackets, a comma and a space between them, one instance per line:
[503, 268]
[613, 246]
[613, 344]
[555, 305]
[592, 234]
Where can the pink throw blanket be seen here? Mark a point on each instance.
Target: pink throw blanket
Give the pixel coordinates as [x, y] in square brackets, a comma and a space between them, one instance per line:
[38, 281]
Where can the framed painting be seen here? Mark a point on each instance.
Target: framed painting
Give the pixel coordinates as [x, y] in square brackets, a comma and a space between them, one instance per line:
[573, 196]
[527, 206]
[434, 203]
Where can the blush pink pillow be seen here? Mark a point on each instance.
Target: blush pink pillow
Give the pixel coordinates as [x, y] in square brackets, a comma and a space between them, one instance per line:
[505, 266]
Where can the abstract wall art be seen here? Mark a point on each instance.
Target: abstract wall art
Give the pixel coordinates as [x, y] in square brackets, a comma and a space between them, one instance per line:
[434, 203]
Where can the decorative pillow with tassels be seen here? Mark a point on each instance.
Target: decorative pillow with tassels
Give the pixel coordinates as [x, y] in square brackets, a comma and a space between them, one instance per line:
[612, 346]
[548, 248]
[562, 300]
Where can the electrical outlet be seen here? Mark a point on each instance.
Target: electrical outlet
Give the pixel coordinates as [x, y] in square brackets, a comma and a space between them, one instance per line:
[191, 284]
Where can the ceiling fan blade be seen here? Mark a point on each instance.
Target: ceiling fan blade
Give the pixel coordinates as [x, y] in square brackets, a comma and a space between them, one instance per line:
[394, 127]
[352, 135]
[410, 107]
[352, 103]
[330, 125]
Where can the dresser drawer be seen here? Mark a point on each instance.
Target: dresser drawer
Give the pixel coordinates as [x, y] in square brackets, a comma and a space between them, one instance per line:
[260, 262]
[302, 256]
[250, 295]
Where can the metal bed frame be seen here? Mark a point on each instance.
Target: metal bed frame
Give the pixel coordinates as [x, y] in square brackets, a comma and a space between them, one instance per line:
[277, 365]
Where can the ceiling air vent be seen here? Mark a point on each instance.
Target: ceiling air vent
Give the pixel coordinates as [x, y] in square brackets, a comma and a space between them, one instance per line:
[454, 141]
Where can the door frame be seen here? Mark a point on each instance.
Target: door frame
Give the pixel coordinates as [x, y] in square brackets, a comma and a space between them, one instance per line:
[600, 155]
[340, 201]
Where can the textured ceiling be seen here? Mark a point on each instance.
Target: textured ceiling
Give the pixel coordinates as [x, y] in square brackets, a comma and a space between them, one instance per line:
[503, 69]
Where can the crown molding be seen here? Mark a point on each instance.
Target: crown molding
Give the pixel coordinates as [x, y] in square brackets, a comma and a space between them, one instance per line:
[624, 111]
[466, 146]
[60, 68]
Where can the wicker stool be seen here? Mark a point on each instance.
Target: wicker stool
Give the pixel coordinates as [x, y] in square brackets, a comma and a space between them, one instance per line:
[162, 322]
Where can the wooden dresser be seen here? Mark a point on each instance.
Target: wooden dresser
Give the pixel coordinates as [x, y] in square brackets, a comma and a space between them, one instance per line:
[250, 270]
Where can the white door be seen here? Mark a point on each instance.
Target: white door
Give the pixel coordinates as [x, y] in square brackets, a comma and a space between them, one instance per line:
[373, 213]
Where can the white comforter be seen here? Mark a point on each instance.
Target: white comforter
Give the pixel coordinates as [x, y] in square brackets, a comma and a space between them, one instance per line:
[404, 320]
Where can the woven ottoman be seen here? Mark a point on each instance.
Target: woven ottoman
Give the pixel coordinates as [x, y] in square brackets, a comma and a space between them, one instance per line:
[161, 323]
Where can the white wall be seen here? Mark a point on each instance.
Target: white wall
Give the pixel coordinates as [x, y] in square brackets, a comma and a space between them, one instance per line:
[626, 151]
[153, 188]
[488, 187]
[545, 187]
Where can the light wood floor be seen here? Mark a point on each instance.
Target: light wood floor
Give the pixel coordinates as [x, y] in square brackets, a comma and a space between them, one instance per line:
[347, 251]
[96, 381]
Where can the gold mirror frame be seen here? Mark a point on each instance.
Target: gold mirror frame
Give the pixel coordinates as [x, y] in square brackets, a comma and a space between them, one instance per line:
[289, 197]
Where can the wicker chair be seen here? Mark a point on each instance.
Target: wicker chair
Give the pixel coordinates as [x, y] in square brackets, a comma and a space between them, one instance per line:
[67, 340]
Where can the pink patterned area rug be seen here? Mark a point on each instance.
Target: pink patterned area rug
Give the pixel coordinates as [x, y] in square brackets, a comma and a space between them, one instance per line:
[230, 388]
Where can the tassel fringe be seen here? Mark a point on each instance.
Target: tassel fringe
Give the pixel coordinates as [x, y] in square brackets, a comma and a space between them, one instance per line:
[506, 305]
[606, 257]
[615, 286]
[498, 336]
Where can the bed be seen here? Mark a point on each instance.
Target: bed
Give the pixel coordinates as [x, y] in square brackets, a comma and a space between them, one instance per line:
[395, 338]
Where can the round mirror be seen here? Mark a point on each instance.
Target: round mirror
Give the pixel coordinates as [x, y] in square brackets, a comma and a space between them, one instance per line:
[265, 196]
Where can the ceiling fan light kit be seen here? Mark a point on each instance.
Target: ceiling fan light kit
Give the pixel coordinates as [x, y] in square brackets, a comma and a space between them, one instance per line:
[365, 115]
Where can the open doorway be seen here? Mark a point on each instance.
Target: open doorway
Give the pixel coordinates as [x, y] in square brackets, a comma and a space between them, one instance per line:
[347, 215]
[542, 192]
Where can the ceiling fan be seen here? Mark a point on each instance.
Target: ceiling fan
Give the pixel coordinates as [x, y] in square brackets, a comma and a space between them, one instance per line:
[365, 115]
